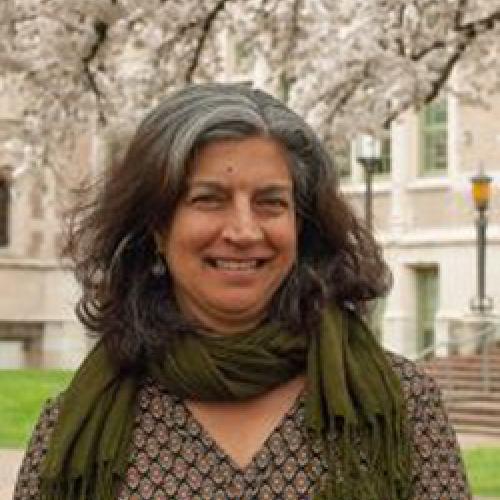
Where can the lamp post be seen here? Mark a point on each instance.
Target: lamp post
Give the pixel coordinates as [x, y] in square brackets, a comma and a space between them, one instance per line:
[481, 193]
[368, 153]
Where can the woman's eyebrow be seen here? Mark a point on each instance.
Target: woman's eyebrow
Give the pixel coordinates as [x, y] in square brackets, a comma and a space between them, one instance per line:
[270, 188]
[276, 190]
[206, 184]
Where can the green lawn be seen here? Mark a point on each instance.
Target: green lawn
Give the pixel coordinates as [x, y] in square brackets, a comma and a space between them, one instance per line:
[483, 469]
[22, 393]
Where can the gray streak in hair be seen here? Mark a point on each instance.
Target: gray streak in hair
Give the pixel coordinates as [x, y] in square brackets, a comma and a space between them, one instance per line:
[111, 240]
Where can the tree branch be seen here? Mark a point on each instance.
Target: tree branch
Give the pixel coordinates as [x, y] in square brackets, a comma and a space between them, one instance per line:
[471, 32]
[399, 40]
[459, 13]
[101, 29]
[438, 84]
[485, 24]
[294, 31]
[207, 26]
[343, 93]
[438, 44]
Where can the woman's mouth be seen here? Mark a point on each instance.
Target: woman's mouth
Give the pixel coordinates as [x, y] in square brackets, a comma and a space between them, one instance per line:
[236, 265]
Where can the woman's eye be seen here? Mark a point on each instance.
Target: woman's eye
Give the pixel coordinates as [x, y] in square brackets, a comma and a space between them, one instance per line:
[206, 200]
[274, 203]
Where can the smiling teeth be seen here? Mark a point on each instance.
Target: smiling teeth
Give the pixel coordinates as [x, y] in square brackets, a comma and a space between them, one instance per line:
[237, 266]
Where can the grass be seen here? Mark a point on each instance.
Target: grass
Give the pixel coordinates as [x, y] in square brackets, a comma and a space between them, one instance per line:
[22, 394]
[483, 470]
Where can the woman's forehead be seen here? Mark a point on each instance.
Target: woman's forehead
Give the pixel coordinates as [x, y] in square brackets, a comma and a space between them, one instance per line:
[251, 158]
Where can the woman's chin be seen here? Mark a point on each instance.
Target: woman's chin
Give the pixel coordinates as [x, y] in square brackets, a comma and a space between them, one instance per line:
[237, 315]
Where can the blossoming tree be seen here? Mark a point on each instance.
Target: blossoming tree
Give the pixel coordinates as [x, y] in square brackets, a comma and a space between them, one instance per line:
[100, 64]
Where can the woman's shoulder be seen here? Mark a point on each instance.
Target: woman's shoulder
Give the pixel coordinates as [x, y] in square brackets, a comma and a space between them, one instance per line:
[437, 467]
[421, 392]
[415, 382]
[150, 399]
[404, 367]
[44, 427]
[27, 484]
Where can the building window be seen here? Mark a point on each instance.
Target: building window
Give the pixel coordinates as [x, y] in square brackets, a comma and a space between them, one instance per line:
[434, 138]
[285, 85]
[4, 212]
[384, 167]
[342, 159]
[244, 57]
[376, 317]
[427, 298]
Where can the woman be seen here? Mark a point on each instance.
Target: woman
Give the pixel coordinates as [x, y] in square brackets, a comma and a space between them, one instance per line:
[227, 280]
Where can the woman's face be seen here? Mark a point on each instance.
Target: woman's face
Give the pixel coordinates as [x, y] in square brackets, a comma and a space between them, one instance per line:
[233, 237]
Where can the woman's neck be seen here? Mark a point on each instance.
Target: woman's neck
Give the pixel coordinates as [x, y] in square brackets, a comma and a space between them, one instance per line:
[220, 324]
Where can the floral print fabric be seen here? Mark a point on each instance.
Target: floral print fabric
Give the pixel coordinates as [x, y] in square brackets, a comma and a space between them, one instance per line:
[172, 457]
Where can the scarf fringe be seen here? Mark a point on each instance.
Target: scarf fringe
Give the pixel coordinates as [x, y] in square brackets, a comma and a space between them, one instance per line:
[355, 406]
[354, 474]
[99, 486]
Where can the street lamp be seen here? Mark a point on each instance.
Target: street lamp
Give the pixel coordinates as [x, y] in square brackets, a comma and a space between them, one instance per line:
[481, 193]
[368, 153]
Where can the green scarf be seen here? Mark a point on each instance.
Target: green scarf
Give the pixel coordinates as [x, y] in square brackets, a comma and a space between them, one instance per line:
[353, 399]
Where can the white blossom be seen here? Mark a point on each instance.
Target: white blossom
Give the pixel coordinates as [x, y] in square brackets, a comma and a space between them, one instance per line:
[347, 64]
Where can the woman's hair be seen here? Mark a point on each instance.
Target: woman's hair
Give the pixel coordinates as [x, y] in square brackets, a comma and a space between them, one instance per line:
[111, 242]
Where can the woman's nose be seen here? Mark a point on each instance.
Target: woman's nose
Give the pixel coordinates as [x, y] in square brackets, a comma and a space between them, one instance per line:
[242, 227]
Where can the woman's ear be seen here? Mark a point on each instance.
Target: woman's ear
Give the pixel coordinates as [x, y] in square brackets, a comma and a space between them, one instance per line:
[159, 267]
[159, 238]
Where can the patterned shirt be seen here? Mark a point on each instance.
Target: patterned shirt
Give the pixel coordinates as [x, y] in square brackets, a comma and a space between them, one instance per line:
[172, 456]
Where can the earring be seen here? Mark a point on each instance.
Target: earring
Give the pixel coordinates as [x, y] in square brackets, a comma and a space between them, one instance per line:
[158, 268]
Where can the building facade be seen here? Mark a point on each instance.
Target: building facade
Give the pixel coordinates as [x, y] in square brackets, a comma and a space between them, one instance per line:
[423, 217]
[37, 293]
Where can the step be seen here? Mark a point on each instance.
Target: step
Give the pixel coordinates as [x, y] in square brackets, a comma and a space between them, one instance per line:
[454, 372]
[464, 384]
[491, 373]
[491, 365]
[476, 385]
[468, 387]
[477, 429]
[461, 363]
[480, 396]
[460, 375]
[494, 369]
[474, 419]
[463, 357]
[475, 407]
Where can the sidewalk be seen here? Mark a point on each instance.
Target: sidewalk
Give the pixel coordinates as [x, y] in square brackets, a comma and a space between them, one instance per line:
[11, 459]
[9, 463]
[473, 441]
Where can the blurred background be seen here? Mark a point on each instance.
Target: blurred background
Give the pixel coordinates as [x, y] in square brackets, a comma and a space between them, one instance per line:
[406, 96]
